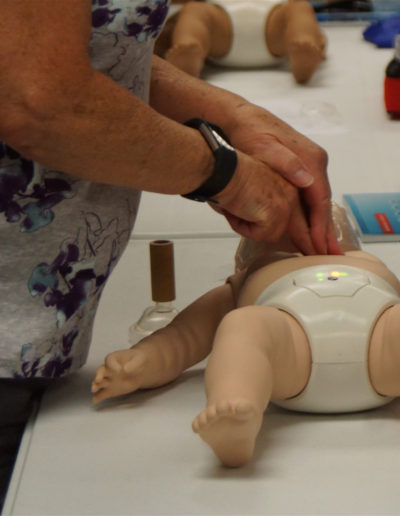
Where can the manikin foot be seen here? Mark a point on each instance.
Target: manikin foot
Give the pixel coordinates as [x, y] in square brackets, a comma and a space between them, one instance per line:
[187, 57]
[304, 57]
[230, 428]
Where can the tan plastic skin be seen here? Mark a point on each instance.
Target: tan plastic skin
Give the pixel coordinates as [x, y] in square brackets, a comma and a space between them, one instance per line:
[257, 353]
[200, 30]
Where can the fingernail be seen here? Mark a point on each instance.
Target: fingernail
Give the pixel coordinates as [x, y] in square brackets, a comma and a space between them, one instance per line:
[303, 178]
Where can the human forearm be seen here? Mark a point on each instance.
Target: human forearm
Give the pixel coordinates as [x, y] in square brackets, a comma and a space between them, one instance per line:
[96, 130]
[180, 96]
[108, 135]
[59, 111]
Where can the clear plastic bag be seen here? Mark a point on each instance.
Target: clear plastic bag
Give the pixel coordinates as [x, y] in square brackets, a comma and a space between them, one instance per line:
[248, 250]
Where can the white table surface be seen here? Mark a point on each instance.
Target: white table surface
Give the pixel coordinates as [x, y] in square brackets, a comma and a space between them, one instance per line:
[137, 455]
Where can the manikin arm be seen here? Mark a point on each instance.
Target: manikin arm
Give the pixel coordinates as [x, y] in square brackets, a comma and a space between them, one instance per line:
[163, 356]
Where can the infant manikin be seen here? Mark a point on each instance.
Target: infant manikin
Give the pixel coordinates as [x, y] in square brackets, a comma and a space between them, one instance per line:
[309, 333]
[244, 33]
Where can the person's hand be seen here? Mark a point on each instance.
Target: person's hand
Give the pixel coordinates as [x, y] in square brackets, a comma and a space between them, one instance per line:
[264, 137]
[120, 374]
[303, 163]
[260, 204]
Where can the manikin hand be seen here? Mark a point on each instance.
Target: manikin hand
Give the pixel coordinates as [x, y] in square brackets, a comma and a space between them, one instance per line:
[296, 158]
[122, 373]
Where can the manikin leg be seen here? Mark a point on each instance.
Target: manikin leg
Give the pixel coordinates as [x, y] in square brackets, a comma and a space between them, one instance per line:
[201, 30]
[258, 353]
[384, 353]
[292, 30]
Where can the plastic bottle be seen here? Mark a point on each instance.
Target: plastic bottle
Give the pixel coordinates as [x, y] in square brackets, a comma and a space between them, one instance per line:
[392, 82]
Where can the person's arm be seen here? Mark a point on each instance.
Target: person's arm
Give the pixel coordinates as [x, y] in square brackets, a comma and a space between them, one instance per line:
[260, 134]
[57, 110]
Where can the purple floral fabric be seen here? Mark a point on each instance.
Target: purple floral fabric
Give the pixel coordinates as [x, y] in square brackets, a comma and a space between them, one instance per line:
[61, 237]
[140, 21]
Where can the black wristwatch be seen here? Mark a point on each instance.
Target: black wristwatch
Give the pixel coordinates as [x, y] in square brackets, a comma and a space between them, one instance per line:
[225, 161]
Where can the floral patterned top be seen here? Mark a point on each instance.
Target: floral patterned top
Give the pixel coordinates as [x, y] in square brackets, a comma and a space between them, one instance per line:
[60, 237]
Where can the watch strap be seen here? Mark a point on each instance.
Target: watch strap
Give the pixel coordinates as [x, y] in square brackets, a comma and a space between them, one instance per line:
[225, 161]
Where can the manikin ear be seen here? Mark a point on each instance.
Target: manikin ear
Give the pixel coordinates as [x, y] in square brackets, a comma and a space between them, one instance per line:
[384, 353]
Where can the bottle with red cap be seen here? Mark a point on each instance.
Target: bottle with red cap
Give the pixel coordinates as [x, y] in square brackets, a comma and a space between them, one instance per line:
[392, 82]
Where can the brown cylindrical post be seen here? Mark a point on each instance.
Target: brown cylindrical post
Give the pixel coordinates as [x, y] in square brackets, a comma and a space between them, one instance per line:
[162, 271]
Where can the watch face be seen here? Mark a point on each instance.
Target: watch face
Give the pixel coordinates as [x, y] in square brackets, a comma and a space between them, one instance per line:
[222, 142]
[210, 136]
[214, 140]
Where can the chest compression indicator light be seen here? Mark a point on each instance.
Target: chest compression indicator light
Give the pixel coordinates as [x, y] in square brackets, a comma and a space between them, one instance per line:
[332, 276]
[328, 280]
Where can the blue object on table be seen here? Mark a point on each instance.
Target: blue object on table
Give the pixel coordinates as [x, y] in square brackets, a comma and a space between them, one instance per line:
[383, 32]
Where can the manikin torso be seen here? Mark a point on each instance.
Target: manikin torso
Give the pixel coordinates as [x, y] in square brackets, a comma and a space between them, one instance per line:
[248, 19]
[315, 334]
[350, 299]
[267, 342]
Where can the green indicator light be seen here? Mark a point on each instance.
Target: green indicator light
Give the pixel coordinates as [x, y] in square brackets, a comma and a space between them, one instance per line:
[345, 273]
[320, 274]
[320, 279]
